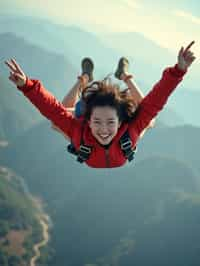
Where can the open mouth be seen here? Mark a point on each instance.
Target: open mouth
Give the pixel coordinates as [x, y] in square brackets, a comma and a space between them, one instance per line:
[104, 136]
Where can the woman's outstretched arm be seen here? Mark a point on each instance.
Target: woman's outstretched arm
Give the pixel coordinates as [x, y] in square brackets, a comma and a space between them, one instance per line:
[46, 103]
[157, 97]
[137, 96]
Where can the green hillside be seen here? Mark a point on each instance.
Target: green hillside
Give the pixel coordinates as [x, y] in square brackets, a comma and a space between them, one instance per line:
[19, 225]
[102, 214]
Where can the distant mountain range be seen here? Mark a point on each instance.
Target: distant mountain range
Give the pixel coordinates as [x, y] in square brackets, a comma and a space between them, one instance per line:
[56, 52]
[109, 210]
[178, 142]
[46, 147]
[16, 113]
[146, 57]
[37, 63]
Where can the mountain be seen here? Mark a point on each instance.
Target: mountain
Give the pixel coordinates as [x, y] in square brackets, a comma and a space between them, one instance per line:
[72, 43]
[105, 212]
[50, 67]
[44, 145]
[16, 114]
[169, 118]
[107, 217]
[185, 102]
[110, 215]
[19, 225]
[178, 142]
[102, 215]
[147, 58]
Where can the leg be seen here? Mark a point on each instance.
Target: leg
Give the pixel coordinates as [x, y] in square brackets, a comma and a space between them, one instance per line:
[137, 97]
[135, 92]
[72, 97]
[123, 74]
[87, 67]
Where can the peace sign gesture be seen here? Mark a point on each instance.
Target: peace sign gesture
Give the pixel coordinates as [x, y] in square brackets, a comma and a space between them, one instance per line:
[185, 57]
[17, 76]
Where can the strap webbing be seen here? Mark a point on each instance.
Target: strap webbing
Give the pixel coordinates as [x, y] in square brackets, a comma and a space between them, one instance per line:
[126, 146]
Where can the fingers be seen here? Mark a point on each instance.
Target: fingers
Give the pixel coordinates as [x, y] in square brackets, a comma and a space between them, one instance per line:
[190, 57]
[190, 54]
[15, 76]
[16, 65]
[10, 65]
[12, 78]
[180, 51]
[189, 46]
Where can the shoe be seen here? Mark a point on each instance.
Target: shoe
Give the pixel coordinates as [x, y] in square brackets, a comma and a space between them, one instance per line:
[122, 67]
[87, 67]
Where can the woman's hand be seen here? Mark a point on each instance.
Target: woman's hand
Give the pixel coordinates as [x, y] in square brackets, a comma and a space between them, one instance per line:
[17, 76]
[185, 57]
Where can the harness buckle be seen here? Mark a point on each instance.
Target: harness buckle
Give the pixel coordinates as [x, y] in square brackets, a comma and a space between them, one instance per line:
[83, 153]
[85, 149]
[126, 144]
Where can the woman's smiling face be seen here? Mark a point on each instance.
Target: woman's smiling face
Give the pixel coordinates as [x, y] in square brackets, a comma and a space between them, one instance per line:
[104, 123]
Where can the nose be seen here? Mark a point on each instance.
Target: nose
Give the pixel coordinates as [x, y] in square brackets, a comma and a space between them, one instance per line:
[104, 129]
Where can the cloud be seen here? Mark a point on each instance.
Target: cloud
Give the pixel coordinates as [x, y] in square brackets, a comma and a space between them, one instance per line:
[187, 16]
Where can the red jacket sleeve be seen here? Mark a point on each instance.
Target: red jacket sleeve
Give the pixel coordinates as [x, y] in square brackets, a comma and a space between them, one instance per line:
[49, 106]
[155, 100]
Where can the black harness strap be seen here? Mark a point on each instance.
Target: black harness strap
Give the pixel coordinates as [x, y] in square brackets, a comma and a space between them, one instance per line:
[126, 146]
[84, 151]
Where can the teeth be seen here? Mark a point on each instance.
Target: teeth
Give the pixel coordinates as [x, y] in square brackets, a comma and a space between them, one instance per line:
[104, 136]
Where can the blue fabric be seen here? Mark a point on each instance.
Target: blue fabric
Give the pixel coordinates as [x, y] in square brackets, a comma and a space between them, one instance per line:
[79, 108]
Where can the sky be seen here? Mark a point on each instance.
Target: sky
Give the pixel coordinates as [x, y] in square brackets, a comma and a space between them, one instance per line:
[171, 23]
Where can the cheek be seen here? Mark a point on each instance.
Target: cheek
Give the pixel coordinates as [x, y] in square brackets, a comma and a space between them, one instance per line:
[113, 129]
[93, 127]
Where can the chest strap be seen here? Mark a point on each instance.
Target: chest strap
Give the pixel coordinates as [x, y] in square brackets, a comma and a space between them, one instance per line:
[126, 146]
[84, 151]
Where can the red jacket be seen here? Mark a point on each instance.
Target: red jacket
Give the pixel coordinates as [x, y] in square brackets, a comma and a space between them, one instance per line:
[100, 157]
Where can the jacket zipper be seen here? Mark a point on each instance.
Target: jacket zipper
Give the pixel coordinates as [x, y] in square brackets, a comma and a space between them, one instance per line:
[107, 158]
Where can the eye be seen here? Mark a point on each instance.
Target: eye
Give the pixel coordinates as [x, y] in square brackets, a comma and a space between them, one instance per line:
[111, 122]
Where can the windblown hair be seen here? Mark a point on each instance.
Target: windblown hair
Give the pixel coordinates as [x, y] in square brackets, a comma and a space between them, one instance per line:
[104, 93]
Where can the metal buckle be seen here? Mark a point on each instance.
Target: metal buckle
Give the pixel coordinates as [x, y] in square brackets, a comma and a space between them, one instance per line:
[85, 149]
[126, 145]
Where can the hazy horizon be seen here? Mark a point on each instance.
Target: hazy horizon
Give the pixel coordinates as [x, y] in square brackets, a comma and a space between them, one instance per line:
[161, 22]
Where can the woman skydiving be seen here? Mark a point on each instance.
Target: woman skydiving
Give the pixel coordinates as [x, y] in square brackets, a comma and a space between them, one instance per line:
[74, 101]
[107, 132]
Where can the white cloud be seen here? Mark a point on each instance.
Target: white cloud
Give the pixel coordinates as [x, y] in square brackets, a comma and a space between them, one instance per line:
[187, 16]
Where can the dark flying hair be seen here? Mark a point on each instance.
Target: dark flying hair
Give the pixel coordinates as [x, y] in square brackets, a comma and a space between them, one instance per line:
[104, 93]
